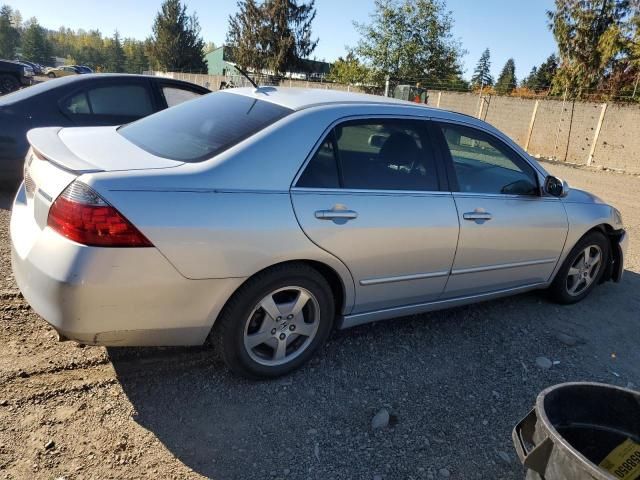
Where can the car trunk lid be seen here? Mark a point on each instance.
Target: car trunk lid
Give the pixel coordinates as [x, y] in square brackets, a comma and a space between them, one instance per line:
[59, 155]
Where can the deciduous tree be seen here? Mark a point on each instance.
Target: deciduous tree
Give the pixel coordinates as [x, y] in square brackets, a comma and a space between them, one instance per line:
[9, 34]
[409, 40]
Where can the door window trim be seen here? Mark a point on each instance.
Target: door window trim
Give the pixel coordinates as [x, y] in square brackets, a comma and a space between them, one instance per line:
[450, 169]
[438, 160]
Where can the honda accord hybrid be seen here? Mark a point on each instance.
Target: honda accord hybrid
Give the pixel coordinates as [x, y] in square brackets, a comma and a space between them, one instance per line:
[261, 219]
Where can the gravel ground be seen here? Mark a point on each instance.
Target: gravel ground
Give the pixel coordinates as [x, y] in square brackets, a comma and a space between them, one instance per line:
[454, 383]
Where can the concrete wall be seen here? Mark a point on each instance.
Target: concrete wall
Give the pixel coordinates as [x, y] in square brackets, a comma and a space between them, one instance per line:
[563, 131]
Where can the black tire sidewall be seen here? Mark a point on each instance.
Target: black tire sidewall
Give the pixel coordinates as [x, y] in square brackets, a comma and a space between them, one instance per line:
[8, 84]
[233, 320]
[558, 288]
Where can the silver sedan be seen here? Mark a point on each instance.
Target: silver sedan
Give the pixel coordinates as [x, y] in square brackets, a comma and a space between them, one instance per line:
[261, 219]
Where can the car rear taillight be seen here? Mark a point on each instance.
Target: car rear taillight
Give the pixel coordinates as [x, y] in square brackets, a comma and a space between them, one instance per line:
[81, 215]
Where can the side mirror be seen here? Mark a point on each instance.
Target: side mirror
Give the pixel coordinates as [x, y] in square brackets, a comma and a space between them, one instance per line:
[556, 187]
[377, 140]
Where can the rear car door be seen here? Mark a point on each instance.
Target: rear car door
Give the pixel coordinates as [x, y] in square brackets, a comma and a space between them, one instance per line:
[372, 195]
[510, 234]
[109, 103]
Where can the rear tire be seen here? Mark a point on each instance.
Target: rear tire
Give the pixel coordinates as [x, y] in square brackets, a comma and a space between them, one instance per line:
[582, 269]
[8, 84]
[51, 75]
[275, 322]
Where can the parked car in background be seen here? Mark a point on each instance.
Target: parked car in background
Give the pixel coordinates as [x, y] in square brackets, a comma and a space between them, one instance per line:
[82, 69]
[81, 100]
[262, 218]
[57, 72]
[14, 75]
[37, 68]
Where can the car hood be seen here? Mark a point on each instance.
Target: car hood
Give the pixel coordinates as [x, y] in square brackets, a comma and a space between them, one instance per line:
[581, 196]
[93, 149]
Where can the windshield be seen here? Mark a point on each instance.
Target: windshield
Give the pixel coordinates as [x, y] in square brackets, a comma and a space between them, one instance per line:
[202, 128]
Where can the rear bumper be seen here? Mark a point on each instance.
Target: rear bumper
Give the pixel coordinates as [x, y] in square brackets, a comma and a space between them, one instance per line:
[110, 296]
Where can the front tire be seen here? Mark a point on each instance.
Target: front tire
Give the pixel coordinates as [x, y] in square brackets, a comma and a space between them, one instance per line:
[582, 269]
[275, 322]
[8, 84]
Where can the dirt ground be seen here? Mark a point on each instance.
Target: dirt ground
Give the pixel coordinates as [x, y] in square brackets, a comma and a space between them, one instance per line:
[454, 382]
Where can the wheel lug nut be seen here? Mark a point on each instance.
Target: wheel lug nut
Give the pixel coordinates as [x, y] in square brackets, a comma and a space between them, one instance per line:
[289, 317]
[273, 331]
[292, 327]
[282, 336]
[278, 319]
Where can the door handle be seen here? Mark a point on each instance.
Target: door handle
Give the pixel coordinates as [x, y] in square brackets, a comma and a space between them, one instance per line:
[336, 214]
[477, 216]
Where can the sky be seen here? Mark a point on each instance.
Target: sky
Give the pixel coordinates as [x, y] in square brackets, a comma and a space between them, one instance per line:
[509, 28]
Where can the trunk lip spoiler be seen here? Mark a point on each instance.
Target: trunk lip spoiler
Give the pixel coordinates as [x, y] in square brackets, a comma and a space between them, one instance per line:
[48, 143]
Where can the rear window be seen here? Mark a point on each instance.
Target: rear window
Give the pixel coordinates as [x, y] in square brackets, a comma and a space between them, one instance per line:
[200, 129]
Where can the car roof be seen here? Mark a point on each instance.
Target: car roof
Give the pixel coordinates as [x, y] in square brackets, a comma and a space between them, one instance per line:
[301, 98]
[50, 85]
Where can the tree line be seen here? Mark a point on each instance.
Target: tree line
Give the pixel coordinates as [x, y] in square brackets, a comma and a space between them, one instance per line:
[404, 41]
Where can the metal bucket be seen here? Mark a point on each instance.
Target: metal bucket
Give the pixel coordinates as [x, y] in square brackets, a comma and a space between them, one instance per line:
[574, 427]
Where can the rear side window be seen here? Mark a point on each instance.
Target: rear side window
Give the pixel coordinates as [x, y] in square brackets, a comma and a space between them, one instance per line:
[200, 129]
[175, 96]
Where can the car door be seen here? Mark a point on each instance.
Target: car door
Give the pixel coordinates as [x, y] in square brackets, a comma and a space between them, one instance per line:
[372, 195]
[109, 103]
[511, 235]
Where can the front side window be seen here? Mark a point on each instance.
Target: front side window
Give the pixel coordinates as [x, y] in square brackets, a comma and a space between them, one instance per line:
[200, 129]
[374, 155]
[483, 164]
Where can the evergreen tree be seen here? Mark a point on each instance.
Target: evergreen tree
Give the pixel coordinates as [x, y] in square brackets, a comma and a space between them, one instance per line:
[35, 45]
[592, 40]
[135, 59]
[507, 80]
[274, 35]
[246, 36]
[410, 41]
[482, 73]
[176, 44]
[114, 58]
[9, 34]
[541, 78]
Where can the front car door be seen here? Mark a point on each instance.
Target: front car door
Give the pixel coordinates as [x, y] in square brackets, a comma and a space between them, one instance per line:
[371, 195]
[511, 235]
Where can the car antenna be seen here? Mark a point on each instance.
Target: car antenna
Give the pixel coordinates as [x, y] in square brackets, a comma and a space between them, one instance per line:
[246, 75]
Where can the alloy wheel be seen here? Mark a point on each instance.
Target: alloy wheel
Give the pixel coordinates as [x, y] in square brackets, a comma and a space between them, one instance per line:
[282, 326]
[584, 270]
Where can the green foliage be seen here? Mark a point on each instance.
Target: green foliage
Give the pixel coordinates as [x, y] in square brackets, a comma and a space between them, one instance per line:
[35, 45]
[348, 70]
[114, 57]
[176, 44]
[409, 40]
[482, 73]
[595, 40]
[9, 34]
[507, 80]
[135, 58]
[541, 78]
[274, 36]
